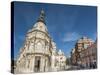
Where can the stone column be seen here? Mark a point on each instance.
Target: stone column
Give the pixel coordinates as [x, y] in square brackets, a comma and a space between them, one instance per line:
[32, 64]
[47, 65]
[42, 64]
[52, 62]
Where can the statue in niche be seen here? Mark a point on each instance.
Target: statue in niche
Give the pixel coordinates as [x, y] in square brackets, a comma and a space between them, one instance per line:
[31, 46]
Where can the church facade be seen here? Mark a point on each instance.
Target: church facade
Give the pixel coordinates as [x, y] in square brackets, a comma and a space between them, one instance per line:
[39, 52]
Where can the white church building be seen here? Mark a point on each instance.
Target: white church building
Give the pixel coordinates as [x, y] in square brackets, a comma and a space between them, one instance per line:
[39, 52]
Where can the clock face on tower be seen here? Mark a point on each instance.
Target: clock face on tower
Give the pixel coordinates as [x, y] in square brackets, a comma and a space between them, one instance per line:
[40, 26]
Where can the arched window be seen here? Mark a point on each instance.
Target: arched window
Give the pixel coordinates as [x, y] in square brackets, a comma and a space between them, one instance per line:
[39, 46]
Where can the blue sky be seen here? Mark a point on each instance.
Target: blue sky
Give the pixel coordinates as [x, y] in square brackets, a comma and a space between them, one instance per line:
[65, 23]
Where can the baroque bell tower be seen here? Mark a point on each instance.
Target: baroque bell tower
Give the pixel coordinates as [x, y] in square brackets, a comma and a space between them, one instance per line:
[35, 55]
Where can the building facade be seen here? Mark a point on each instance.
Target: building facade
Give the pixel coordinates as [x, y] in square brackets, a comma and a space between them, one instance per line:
[89, 57]
[39, 52]
[81, 48]
[73, 57]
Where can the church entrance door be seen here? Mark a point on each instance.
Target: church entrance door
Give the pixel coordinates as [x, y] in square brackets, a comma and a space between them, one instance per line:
[37, 63]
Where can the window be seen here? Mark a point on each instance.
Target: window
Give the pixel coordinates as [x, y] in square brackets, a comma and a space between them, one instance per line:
[85, 46]
[39, 46]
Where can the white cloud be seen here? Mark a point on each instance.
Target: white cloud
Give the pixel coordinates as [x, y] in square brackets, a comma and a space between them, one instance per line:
[71, 36]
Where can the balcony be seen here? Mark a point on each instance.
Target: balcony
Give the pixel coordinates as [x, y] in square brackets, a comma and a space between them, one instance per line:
[38, 52]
